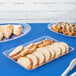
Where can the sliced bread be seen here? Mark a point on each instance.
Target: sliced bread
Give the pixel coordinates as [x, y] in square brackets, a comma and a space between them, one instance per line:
[8, 30]
[25, 62]
[66, 45]
[57, 50]
[51, 51]
[34, 59]
[40, 56]
[62, 47]
[16, 51]
[17, 29]
[45, 52]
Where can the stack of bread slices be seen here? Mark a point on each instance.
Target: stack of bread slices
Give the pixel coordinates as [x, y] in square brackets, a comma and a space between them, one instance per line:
[65, 28]
[7, 30]
[36, 54]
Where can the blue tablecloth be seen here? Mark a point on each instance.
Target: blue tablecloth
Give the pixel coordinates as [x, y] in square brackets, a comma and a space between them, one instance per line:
[54, 68]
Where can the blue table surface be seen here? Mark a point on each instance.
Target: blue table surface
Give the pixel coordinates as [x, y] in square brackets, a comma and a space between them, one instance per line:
[54, 68]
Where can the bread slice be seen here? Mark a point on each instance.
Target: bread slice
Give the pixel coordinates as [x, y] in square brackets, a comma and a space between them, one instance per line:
[62, 47]
[57, 50]
[1, 32]
[45, 43]
[25, 62]
[16, 51]
[45, 52]
[1, 35]
[54, 27]
[66, 45]
[39, 43]
[22, 53]
[48, 42]
[1, 28]
[8, 30]
[30, 46]
[34, 59]
[33, 49]
[45, 40]
[25, 51]
[17, 29]
[51, 51]
[16, 56]
[40, 56]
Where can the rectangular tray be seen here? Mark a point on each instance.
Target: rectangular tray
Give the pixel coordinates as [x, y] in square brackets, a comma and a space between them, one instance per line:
[6, 53]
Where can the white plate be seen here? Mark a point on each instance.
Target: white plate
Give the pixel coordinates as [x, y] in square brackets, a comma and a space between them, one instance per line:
[49, 27]
[26, 29]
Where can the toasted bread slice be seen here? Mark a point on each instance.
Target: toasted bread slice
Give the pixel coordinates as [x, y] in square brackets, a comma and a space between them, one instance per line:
[17, 29]
[40, 56]
[57, 50]
[30, 46]
[25, 62]
[34, 59]
[45, 43]
[48, 42]
[66, 45]
[16, 51]
[33, 49]
[45, 52]
[51, 51]
[8, 30]
[39, 43]
[45, 40]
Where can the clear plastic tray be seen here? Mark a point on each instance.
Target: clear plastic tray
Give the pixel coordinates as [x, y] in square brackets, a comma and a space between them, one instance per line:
[6, 53]
[49, 27]
[26, 29]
